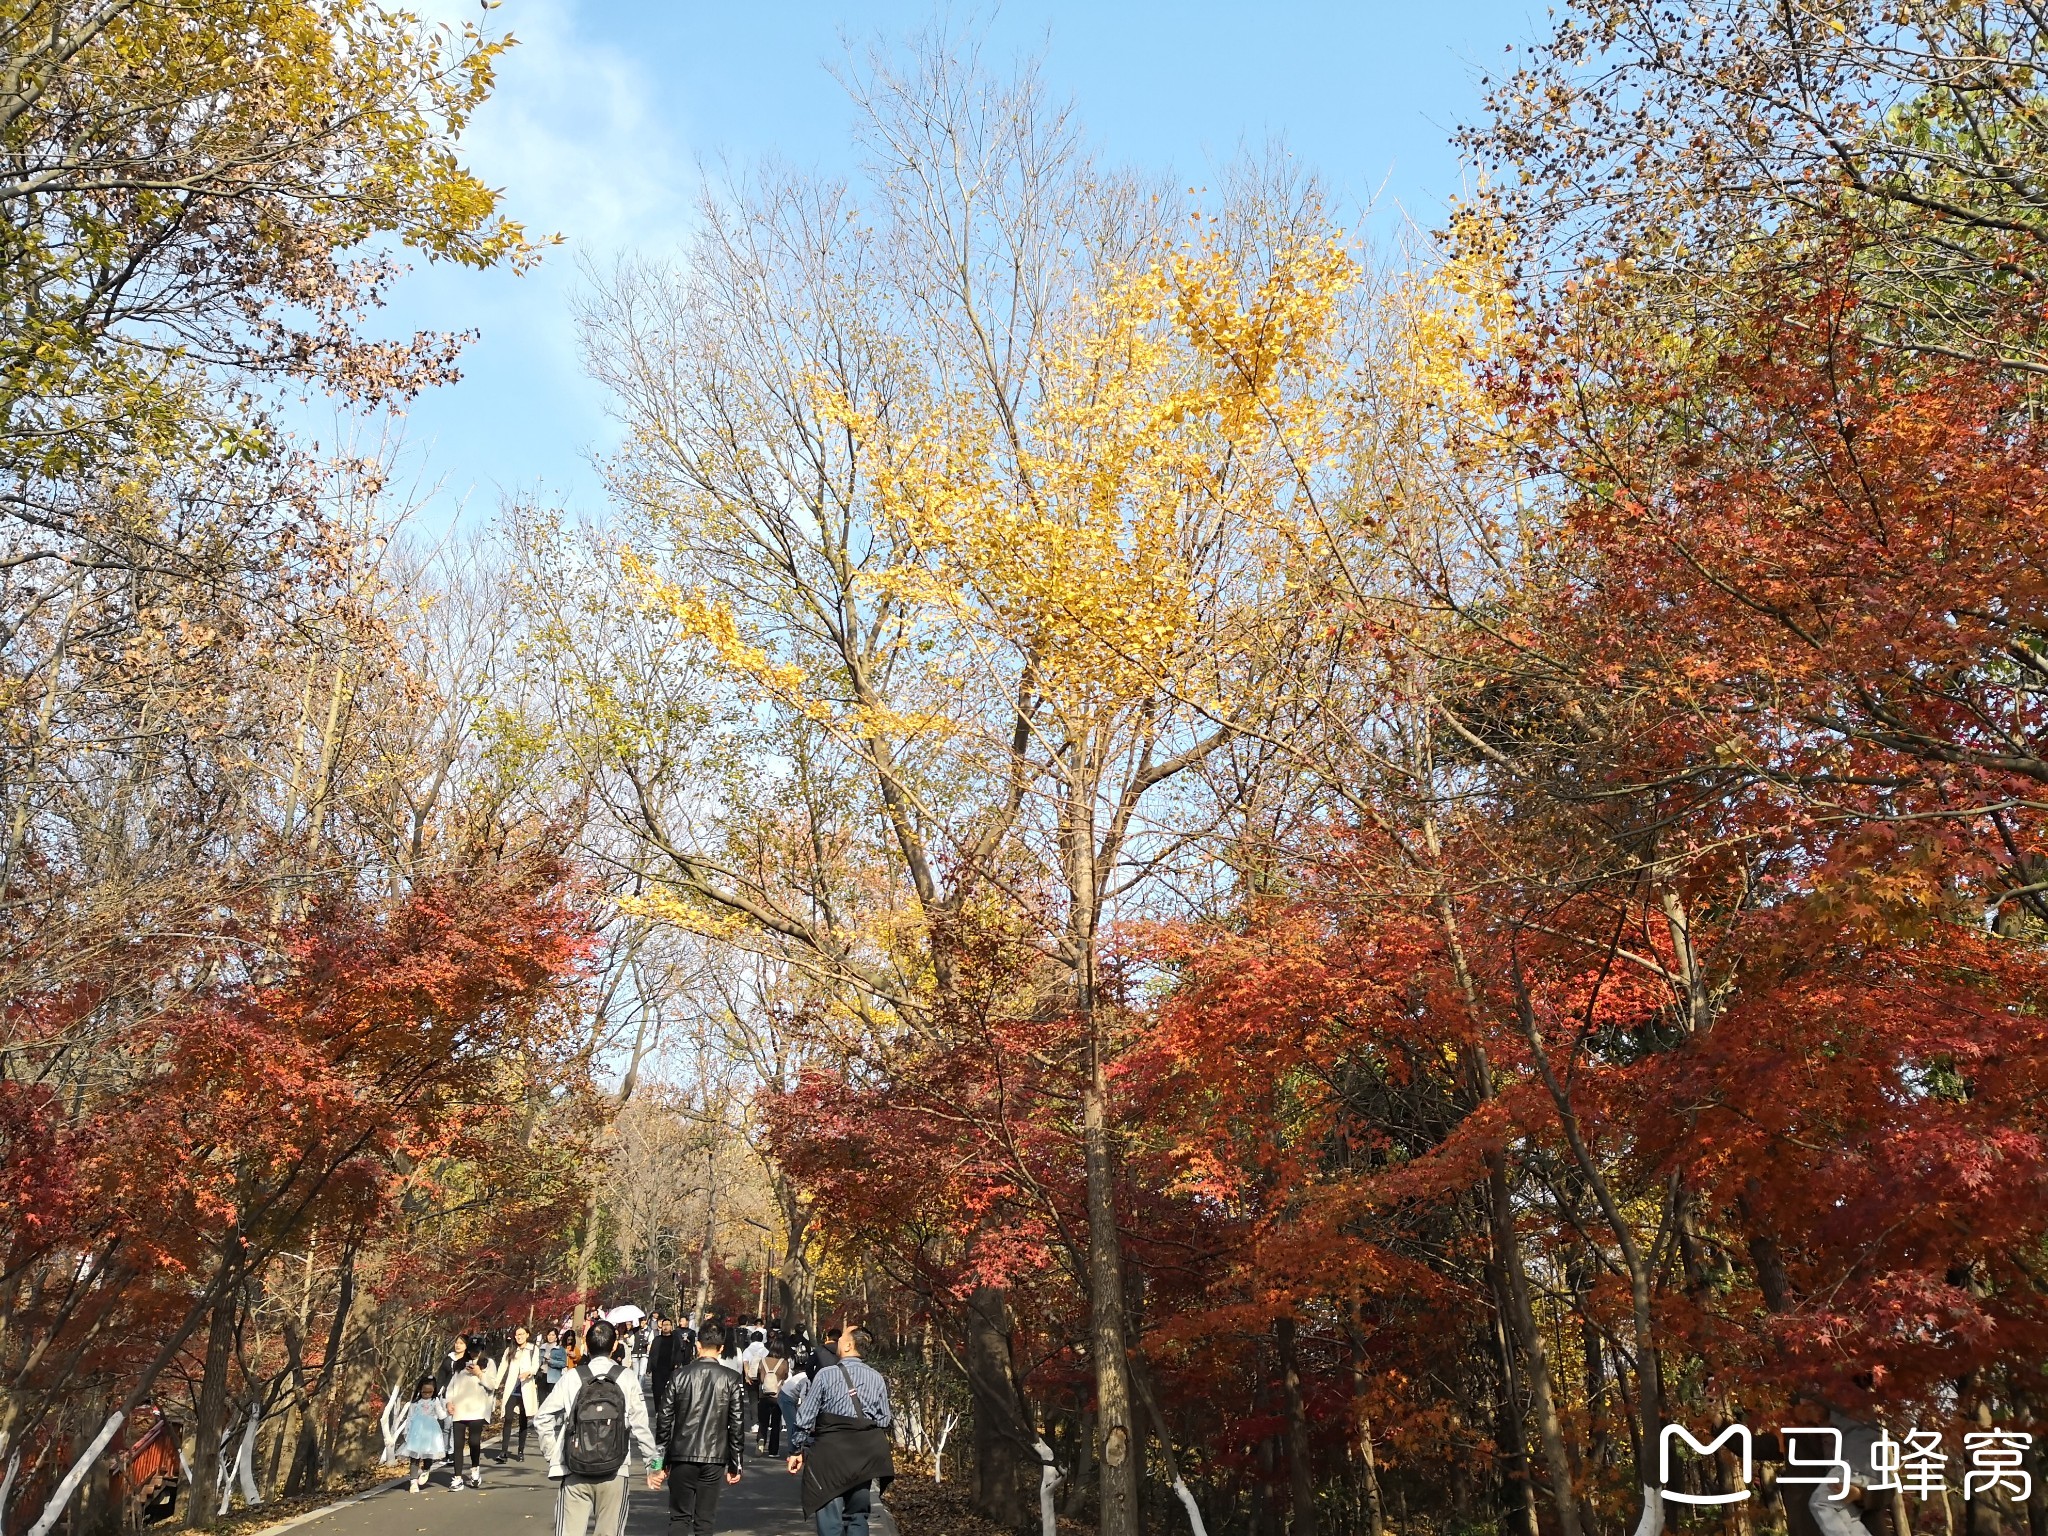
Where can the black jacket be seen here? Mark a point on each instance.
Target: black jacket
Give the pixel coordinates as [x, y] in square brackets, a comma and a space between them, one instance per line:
[701, 1417]
[846, 1453]
[661, 1363]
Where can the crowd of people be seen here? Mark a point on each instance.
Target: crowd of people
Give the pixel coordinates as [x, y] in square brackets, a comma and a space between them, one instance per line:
[682, 1396]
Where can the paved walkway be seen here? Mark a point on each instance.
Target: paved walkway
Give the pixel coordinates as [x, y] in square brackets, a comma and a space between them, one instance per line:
[518, 1500]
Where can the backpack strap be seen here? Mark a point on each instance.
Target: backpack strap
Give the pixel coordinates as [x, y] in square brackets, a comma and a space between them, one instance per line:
[851, 1390]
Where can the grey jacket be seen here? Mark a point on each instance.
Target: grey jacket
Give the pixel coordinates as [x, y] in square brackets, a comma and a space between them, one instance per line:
[554, 1413]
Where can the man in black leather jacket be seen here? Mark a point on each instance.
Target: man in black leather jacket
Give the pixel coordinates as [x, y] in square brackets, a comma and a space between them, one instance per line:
[700, 1431]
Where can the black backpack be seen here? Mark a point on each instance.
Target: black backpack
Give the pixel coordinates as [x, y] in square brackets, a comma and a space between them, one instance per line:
[595, 1443]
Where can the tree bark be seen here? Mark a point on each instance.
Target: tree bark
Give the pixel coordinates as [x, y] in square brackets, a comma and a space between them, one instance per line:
[1513, 1289]
[1375, 1508]
[1518, 1493]
[1141, 1382]
[212, 1410]
[1262, 1518]
[1535, 1351]
[1300, 1478]
[1119, 1446]
[1001, 1469]
[1647, 1422]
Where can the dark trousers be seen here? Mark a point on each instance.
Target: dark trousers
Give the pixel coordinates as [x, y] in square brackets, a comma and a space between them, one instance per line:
[516, 1403]
[693, 1496]
[473, 1431]
[848, 1514]
[771, 1423]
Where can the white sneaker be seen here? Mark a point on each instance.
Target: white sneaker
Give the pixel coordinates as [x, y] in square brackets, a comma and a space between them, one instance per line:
[413, 1486]
[476, 1479]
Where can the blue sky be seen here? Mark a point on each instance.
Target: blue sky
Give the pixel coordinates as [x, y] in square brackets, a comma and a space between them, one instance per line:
[609, 111]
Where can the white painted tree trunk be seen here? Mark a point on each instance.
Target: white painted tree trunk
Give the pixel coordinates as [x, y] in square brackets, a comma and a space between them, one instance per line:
[7, 1485]
[223, 1478]
[939, 1456]
[1652, 1523]
[392, 1422]
[245, 1458]
[238, 1465]
[1187, 1498]
[55, 1508]
[1048, 1479]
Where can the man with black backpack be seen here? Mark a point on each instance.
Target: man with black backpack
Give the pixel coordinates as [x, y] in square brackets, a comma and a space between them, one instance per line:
[589, 1423]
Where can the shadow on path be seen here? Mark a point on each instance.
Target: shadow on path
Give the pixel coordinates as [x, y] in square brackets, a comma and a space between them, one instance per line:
[518, 1500]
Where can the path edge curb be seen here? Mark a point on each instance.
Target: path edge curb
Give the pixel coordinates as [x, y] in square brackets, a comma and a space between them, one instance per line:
[323, 1511]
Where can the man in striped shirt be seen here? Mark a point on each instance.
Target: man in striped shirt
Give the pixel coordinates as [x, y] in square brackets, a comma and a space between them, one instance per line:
[843, 1393]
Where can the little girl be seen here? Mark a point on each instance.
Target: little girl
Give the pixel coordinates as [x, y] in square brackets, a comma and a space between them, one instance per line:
[426, 1430]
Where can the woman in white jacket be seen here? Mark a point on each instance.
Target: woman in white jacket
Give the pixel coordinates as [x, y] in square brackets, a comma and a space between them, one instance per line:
[472, 1389]
[520, 1391]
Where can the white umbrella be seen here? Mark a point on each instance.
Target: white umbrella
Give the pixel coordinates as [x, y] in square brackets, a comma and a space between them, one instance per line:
[628, 1314]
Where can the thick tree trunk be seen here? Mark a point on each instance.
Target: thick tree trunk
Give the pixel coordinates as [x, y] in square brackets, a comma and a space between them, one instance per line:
[1002, 1469]
[1300, 1477]
[304, 1476]
[212, 1409]
[1119, 1444]
[795, 1223]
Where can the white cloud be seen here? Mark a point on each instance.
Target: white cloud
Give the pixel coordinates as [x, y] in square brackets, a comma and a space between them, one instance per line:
[575, 133]
[583, 141]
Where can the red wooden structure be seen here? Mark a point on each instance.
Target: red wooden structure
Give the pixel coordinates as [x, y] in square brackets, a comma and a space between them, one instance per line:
[144, 1485]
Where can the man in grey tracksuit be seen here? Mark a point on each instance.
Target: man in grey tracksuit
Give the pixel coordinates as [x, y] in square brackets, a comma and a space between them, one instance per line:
[581, 1500]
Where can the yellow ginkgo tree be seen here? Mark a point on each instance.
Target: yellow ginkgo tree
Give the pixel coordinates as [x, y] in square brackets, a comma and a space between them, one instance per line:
[1117, 565]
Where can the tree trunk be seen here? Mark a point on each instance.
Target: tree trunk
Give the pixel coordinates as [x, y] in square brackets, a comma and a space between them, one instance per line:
[308, 1461]
[1141, 1381]
[1001, 1469]
[304, 1476]
[1262, 1521]
[1517, 1493]
[1118, 1514]
[212, 1410]
[1593, 1353]
[1301, 1482]
[1535, 1351]
[1375, 1509]
[586, 1256]
[1647, 1421]
[1512, 1287]
[703, 1296]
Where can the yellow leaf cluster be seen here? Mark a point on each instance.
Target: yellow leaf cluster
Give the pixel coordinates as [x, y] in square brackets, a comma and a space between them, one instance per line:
[1109, 536]
[713, 624]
